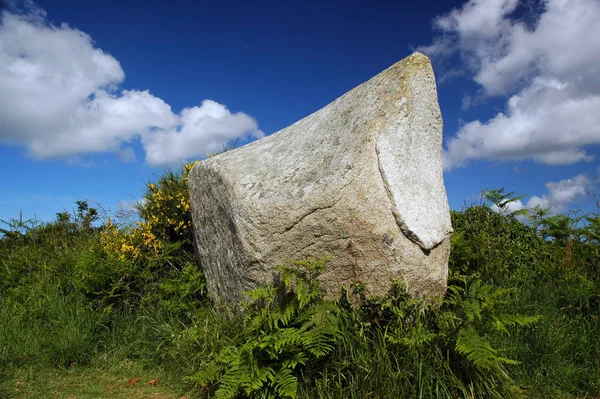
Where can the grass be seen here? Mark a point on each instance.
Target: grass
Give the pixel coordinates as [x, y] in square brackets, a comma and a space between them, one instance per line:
[112, 380]
[100, 309]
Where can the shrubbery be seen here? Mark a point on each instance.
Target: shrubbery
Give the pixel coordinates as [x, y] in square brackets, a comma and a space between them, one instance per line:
[67, 284]
[166, 206]
[520, 318]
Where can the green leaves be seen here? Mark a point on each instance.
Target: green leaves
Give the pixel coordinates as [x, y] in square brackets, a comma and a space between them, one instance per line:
[286, 326]
[477, 307]
[450, 351]
[550, 263]
[479, 350]
[65, 300]
[503, 200]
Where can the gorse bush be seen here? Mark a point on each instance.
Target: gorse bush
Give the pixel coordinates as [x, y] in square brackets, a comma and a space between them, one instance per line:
[119, 266]
[166, 206]
[136, 242]
[145, 261]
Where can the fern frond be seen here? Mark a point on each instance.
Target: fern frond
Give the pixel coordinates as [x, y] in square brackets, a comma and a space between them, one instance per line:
[264, 293]
[258, 377]
[472, 309]
[284, 316]
[414, 337]
[285, 326]
[229, 384]
[503, 321]
[227, 355]
[478, 350]
[298, 358]
[285, 339]
[303, 293]
[317, 343]
[207, 375]
[454, 295]
[285, 384]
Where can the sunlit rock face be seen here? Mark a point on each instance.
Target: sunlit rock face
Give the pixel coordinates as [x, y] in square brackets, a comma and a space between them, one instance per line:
[359, 182]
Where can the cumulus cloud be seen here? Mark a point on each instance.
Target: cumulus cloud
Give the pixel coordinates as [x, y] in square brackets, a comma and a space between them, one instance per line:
[215, 121]
[562, 193]
[559, 196]
[60, 98]
[511, 207]
[548, 70]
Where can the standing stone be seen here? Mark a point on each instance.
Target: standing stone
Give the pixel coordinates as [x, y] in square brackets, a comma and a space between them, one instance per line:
[359, 181]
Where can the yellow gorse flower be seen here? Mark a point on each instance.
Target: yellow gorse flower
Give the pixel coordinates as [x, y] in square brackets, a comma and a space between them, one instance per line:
[167, 205]
[165, 211]
[133, 243]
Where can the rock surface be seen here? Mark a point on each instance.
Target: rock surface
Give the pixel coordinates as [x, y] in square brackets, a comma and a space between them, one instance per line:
[359, 181]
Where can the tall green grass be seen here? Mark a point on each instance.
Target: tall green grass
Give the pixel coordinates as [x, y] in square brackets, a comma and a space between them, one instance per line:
[520, 319]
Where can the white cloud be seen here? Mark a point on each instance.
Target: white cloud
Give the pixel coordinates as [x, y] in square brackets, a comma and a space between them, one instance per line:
[511, 207]
[59, 98]
[558, 197]
[562, 193]
[549, 71]
[215, 121]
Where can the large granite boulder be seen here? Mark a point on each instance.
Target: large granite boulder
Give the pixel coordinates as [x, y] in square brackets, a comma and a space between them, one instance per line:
[359, 181]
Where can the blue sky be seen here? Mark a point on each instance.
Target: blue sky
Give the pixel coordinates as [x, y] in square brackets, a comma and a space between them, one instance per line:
[96, 98]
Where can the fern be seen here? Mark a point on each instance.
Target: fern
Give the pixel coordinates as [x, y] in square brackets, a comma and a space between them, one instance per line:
[413, 337]
[285, 383]
[472, 314]
[502, 322]
[463, 329]
[479, 350]
[286, 326]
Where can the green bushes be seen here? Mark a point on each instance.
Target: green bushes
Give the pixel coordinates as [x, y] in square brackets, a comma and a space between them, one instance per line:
[550, 265]
[68, 287]
[520, 318]
[401, 347]
[292, 343]
[43, 316]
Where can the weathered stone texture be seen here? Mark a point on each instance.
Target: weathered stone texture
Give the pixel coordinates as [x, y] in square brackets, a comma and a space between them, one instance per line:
[359, 181]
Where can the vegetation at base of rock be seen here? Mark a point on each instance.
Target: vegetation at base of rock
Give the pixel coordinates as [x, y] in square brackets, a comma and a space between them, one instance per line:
[283, 328]
[520, 318]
